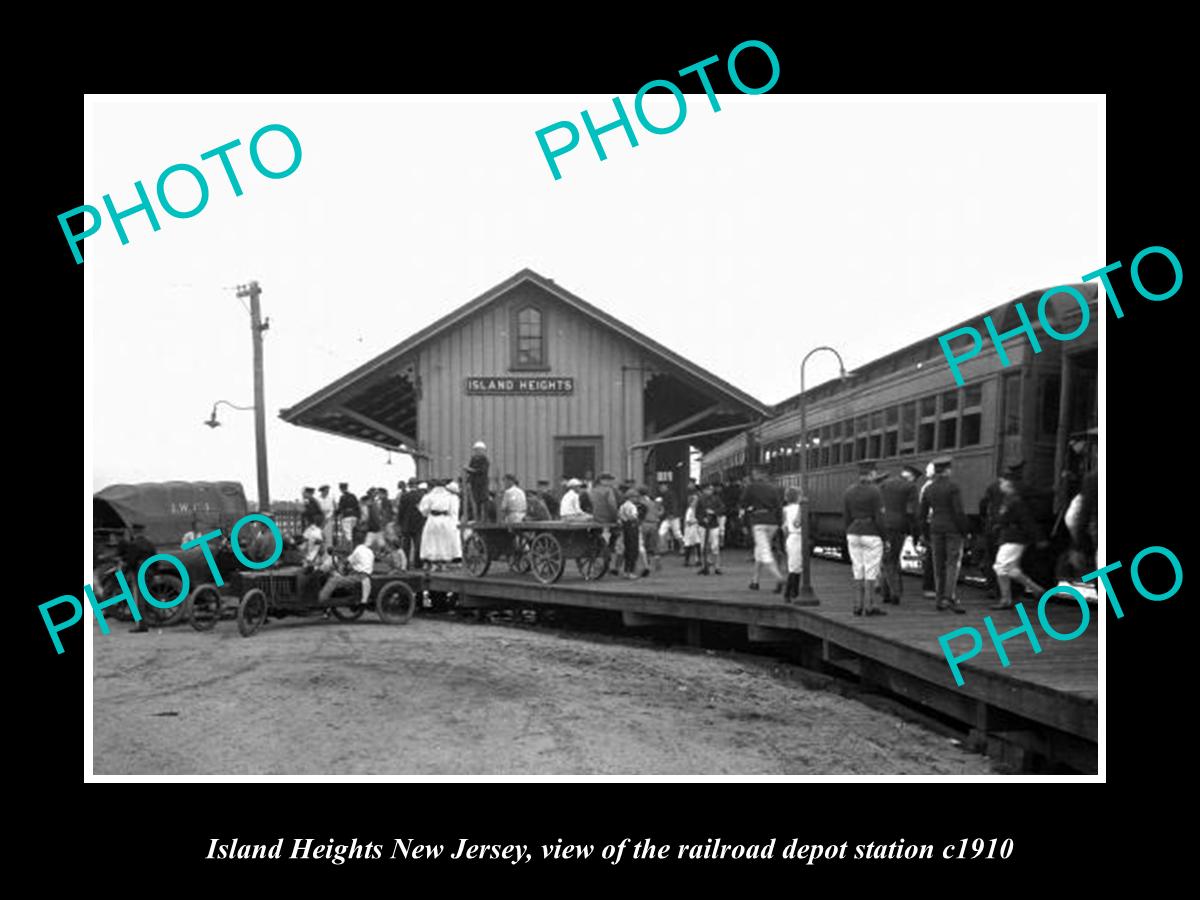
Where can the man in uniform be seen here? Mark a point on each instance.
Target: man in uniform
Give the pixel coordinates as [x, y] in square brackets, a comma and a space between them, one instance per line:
[942, 503]
[989, 509]
[327, 510]
[763, 504]
[348, 513]
[862, 516]
[899, 511]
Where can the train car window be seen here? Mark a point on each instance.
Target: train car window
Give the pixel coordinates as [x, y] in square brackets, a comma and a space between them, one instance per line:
[908, 427]
[890, 443]
[927, 433]
[1048, 404]
[928, 406]
[948, 438]
[949, 401]
[892, 415]
[1012, 404]
[972, 428]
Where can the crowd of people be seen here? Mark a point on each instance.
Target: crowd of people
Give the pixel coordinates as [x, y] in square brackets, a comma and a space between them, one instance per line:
[882, 511]
[422, 526]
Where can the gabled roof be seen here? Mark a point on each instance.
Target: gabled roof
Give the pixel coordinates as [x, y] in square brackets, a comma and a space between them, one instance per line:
[471, 307]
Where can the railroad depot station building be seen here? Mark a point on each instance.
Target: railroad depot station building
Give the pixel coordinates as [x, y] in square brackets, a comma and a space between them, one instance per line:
[553, 385]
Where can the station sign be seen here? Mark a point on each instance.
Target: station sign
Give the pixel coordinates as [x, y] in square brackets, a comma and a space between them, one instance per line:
[536, 384]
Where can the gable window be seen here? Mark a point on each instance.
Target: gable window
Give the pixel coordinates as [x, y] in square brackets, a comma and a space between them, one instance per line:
[529, 338]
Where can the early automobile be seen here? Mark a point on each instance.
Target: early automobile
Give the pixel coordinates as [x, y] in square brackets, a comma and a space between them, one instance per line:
[289, 590]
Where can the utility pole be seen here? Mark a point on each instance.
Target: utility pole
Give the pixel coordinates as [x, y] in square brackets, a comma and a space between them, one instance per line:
[252, 291]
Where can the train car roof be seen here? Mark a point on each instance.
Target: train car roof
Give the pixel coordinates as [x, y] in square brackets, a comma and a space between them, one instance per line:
[1064, 316]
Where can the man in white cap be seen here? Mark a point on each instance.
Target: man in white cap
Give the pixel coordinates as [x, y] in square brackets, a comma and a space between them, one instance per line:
[568, 507]
[477, 481]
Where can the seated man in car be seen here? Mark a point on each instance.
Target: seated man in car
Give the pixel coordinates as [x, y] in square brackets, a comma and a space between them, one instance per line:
[317, 558]
[359, 566]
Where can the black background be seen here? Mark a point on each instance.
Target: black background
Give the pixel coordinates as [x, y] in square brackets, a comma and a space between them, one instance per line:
[157, 833]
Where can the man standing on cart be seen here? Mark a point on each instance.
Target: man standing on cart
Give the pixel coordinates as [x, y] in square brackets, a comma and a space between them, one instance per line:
[477, 481]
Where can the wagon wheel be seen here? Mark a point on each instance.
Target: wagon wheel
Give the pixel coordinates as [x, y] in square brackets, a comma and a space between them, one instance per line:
[349, 613]
[546, 558]
[204, 607]
[593, 562]
[110, 588]
[252, 612]
[476, 558]
[396, 603]
[518, 560]
[163, 585]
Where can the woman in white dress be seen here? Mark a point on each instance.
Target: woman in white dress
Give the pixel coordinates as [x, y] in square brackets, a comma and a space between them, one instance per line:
[794, 544]
[440, 539]
[692, 533]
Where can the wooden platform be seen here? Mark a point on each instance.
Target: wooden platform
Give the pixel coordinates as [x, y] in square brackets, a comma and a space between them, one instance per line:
[1042, 705]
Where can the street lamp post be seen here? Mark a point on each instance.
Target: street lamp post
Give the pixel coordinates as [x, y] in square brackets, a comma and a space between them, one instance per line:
[259, 447]
[807, 597]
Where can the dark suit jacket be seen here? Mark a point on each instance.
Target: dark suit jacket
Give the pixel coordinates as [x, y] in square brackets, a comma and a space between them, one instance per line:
[862, 509]
[899, 503]
[943, 499]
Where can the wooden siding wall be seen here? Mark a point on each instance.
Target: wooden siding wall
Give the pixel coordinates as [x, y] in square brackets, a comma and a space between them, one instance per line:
[520, 430]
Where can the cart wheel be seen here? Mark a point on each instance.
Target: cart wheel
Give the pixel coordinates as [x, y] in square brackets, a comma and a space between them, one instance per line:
[476, 559]
[120, 612]
[204, 607]
[518, 560]
[594, 561]
[349, 613]
[546, 558]
[396, 603]
[164, 585]
[252, 612]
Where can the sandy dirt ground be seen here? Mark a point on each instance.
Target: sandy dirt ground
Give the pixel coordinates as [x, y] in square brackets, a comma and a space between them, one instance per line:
[446, 696]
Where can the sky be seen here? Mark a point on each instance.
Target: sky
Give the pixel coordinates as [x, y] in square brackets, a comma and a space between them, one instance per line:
[740, 240]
